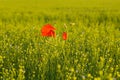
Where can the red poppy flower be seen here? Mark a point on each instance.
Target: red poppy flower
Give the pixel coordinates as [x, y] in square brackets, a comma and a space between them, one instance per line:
[48, 30]
[64, 35]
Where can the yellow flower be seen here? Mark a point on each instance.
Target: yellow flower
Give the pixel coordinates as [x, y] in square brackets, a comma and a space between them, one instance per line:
[110, 60]
[111, 69]
[72, 69]
[90, 76]
[98, 78]
[74, 78]
[101, 73]
[58, 66]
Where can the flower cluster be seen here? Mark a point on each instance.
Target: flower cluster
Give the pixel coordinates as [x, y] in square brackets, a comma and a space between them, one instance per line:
[49, 31]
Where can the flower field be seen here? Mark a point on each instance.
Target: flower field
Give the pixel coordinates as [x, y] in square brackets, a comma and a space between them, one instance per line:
[60, 44]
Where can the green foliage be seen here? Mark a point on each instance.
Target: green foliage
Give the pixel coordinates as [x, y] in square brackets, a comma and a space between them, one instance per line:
[91, 52]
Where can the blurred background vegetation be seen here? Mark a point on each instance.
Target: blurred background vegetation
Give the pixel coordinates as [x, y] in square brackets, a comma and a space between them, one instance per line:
[42, 4]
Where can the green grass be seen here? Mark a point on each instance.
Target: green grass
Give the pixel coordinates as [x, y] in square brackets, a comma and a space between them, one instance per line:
[91, 52]
[38, 4]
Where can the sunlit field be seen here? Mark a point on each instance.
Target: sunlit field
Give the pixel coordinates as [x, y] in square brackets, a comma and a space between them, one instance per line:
[85, 44]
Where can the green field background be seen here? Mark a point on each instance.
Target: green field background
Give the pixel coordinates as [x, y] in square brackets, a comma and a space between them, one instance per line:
[38, 4]
[91, 51]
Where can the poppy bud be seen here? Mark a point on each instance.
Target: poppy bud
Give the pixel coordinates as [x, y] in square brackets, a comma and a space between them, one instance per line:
[64, 36]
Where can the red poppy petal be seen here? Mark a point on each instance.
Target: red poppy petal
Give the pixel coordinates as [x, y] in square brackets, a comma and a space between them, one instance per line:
[51, 33]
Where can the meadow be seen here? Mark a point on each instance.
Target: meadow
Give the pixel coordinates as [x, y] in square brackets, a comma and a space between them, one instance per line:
[91, 51]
